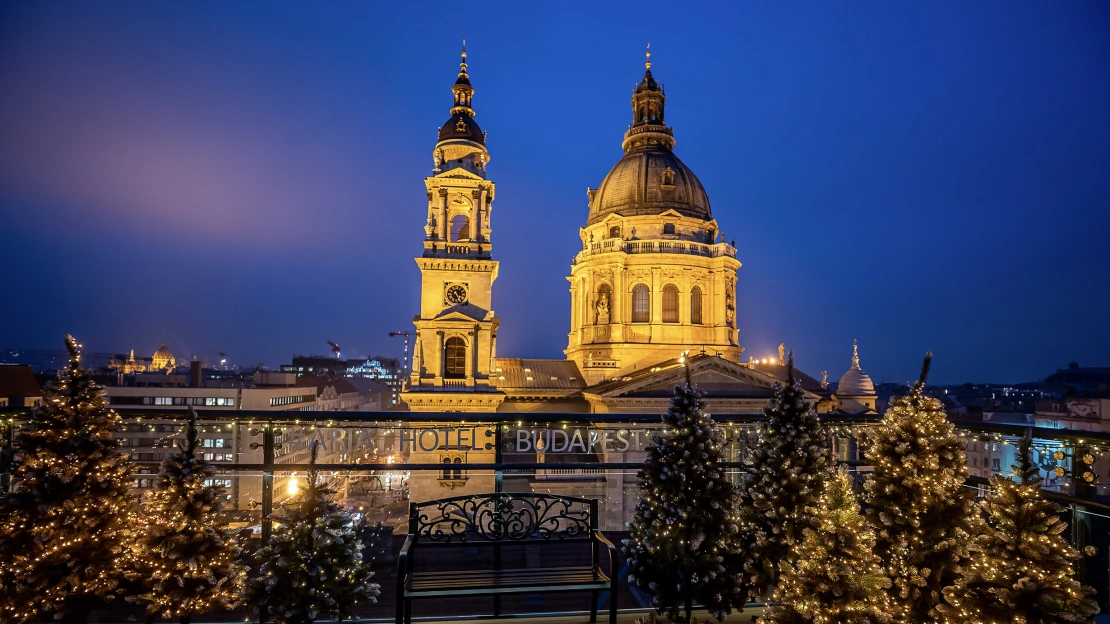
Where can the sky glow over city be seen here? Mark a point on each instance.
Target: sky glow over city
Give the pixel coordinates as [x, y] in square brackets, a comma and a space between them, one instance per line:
[248, 178]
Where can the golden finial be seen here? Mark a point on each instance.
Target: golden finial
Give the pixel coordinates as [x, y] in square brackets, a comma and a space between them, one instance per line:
[462, 65]
[648, 63]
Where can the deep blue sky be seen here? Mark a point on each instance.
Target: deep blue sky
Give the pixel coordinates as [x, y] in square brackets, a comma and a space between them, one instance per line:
[248, 177]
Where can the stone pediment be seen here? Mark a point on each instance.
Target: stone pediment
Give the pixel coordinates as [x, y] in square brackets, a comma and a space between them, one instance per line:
[459, 172]
[713, 376]
[464, 312]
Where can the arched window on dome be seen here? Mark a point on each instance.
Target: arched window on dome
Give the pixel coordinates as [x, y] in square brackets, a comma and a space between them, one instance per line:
[695, 305]
[670, 303]
[641, 304]
[454, 358]
[460, 229]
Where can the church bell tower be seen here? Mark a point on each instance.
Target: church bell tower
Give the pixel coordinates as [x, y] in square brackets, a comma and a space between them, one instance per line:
[456, 330]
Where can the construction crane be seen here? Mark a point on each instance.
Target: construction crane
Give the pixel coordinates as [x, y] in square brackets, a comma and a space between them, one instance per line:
[405, 358]
[334, 348]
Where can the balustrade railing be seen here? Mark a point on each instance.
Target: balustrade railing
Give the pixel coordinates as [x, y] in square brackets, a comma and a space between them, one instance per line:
[659, 246]
[379, 462]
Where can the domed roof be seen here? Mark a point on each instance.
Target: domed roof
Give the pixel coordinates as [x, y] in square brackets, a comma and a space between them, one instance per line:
[637, 185]
[462, 126]
[650, 179]
[855, 382]
[163, 357]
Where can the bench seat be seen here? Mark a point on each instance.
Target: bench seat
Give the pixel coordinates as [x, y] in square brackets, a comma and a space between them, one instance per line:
[488, 582]
[493, 521]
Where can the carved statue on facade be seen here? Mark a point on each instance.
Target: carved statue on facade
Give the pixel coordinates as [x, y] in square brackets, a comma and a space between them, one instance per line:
[730, 307]
[782, 353]
[602, 308]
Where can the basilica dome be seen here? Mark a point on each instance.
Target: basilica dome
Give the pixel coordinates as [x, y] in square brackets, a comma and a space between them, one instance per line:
[855, 382]
[638, 185]
[650, 179]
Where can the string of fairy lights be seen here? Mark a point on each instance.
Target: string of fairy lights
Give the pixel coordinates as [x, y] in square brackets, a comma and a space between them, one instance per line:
[1068, 462]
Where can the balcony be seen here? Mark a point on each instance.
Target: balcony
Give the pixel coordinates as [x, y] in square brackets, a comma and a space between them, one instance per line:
[691, 248]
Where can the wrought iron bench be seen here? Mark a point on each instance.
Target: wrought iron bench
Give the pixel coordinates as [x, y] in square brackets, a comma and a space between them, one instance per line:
[496, 520]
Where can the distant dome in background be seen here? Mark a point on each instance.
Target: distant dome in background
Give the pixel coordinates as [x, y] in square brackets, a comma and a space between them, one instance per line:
[163, 358]
[855, 382]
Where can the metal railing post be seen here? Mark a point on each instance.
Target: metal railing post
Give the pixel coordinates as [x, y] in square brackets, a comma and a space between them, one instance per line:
[267, 481]
[498, 457]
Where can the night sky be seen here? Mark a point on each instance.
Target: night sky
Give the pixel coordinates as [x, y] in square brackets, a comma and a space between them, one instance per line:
[248, 178]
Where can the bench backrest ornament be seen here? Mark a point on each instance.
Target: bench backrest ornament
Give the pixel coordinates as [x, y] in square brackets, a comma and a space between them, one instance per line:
[503, 517]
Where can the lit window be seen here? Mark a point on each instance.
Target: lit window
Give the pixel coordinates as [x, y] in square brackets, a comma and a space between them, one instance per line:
[641, 304]
[670, 303]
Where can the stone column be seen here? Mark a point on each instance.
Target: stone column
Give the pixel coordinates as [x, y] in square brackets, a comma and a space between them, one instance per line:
[618, 318]
[442, 356]
[471, 355]
[445, 227]
[479, 227]
[656, 300]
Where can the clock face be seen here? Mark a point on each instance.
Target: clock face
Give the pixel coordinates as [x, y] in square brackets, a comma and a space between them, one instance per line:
[456, 294]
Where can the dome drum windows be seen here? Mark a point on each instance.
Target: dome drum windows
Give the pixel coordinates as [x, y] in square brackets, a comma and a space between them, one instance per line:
[695, 305]
[641, 304]
[670, 303]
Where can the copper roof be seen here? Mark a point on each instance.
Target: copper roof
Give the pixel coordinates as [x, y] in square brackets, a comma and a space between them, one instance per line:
[518, 373]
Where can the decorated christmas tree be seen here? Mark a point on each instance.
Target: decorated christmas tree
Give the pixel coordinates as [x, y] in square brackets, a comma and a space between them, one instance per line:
[922, 515]
[788, 465]
[1021, 568]
[312, 566]
[682, 538]
[835, 577]
[65, 524]
[186, 559]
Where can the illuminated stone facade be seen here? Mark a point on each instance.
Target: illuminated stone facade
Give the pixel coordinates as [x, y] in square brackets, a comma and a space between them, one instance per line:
[456, 330]
[654, 279]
